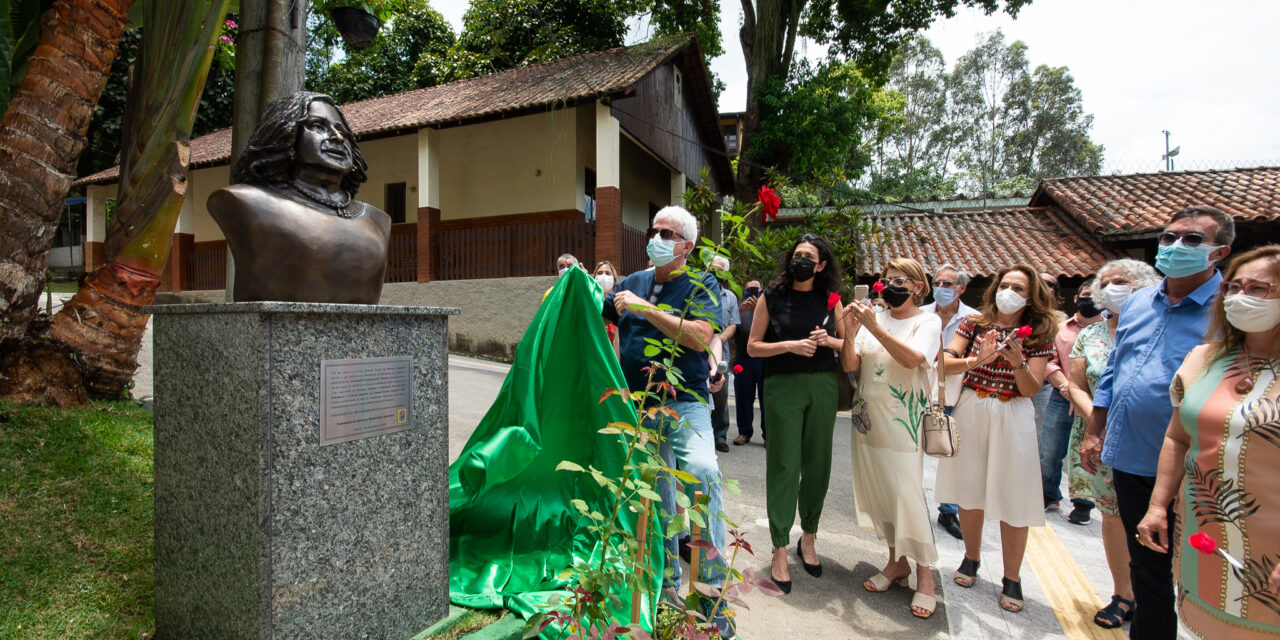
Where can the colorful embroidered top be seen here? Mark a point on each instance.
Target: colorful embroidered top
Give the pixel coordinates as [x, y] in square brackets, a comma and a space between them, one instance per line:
[1231, 413]
[995, 375]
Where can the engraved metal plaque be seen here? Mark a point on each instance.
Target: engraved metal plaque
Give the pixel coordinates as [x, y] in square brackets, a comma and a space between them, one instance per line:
[363, 397]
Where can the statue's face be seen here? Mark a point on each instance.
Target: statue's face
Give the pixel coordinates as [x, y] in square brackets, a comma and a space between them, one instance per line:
[323, 141]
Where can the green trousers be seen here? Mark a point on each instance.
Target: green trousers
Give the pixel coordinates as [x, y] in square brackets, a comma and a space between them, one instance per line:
[800, 409]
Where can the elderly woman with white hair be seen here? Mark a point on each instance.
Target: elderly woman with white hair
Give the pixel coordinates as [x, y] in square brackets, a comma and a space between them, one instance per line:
[1116, 280]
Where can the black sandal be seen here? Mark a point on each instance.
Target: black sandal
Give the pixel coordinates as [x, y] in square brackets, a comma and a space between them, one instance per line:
[967, 574]
[1011, 594]
[1112, 616]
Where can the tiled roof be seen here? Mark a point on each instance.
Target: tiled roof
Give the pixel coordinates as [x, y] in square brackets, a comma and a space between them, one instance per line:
[564, 82]
[1144, 202]
[983, 242]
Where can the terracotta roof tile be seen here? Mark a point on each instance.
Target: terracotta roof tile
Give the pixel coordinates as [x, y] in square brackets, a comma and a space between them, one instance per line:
[1144, 202]
[983, 242]
[559, 82]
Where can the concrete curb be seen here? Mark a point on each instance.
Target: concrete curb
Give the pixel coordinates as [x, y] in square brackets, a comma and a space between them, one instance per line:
[510, 627]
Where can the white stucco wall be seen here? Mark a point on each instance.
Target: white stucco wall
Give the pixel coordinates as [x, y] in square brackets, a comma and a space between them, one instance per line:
[645, 180]
[391, 160]
[518, 165]
[203, 183]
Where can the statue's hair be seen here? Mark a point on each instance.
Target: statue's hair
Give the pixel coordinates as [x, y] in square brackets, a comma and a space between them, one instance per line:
[267, 158]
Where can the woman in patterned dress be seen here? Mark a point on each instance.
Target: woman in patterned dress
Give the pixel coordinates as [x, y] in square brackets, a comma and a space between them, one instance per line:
[894, 353]
[1224, 439]
[1116, 280]
[996, 472]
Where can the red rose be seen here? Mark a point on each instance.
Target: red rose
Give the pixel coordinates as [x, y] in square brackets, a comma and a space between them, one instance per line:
[832, 301]
[769, 202]
[1024, 331]
[877, 287]
[1202, 543]
[737, 368]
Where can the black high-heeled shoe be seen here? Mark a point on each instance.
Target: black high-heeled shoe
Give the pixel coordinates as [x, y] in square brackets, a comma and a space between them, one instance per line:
[814, 570]
[783, 585]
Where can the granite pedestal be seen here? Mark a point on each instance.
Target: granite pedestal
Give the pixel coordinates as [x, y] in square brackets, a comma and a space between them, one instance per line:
[265, 529]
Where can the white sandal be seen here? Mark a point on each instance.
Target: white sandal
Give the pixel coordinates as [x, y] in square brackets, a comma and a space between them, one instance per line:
[924, 602]
[882, 583]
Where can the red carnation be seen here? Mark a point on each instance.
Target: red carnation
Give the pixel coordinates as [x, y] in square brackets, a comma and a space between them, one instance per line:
[1023, 331]
[737, 368]
[769, 202]
[832, 301]
[1202, 543]
[877, 287]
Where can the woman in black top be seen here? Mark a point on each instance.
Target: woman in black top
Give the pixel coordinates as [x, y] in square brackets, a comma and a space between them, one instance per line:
[796, 331]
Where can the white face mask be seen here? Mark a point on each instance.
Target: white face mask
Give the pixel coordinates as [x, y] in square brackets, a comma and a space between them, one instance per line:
[1008, 301]
[605, 281]
[1250, 314]
[1112, 297]
[564, 270]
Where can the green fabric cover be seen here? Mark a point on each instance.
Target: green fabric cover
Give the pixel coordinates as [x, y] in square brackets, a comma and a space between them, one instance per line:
[512, 530]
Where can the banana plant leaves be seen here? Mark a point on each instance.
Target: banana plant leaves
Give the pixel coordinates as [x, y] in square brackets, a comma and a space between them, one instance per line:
[512, 530]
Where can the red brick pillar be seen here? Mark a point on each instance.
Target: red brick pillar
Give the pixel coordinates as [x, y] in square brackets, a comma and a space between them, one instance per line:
[179, 276]
[428, 224]
[609, 224]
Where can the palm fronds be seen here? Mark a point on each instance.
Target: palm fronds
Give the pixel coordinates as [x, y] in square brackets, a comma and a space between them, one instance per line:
[1217, 499]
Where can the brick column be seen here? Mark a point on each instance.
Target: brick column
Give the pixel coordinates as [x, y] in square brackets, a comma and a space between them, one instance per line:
[609, 224]
[608, 186]
[179, 276]
[428, 223]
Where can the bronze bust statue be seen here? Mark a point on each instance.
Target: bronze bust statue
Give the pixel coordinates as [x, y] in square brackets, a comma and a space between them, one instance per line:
[290, 216]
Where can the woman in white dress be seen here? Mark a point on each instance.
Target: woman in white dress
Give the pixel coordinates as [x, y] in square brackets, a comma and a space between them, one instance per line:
[894, 353]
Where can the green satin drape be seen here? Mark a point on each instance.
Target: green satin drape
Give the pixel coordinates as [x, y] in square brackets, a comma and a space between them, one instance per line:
[512, 531]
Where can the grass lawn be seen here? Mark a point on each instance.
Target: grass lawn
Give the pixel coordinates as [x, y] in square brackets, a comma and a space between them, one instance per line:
[61, 287]
[76, 522]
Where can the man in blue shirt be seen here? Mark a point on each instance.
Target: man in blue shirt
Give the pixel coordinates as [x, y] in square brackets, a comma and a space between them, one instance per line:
[634, 306]
[729, 321]
[1158, 327]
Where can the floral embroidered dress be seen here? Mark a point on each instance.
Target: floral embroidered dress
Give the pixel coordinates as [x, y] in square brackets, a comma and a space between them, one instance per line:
[888, 465]
[1232, 494]
[1094, 345]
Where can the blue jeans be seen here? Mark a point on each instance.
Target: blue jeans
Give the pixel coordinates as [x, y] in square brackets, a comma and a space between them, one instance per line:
[1055, 432]
[947, 508]
[747, 386]
[689, 445]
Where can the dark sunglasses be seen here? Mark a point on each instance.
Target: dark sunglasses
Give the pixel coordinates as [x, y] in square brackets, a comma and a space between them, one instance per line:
[665, 234]
[1189, 239]
[945, 284]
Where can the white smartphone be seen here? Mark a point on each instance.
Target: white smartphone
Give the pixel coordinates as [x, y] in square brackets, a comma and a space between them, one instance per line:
[861, 292]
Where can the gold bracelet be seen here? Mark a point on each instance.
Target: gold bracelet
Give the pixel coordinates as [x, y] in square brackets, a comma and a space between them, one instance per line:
[1020, 367]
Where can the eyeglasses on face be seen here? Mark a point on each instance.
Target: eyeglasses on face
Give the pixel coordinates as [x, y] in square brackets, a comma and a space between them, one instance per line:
[945, 284]
[665, 234]
[1252, 288]
[900, 281]
[1189, 239]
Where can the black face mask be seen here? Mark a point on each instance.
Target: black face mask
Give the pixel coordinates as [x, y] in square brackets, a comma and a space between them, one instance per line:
[801, 268]
[895, 296]
[1086, 308]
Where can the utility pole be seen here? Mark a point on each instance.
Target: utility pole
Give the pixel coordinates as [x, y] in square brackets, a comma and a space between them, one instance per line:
[1168, 155]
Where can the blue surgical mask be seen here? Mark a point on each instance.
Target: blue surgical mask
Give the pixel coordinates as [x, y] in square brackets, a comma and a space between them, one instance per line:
[944, 297]
[660, 251]
[1179, 261]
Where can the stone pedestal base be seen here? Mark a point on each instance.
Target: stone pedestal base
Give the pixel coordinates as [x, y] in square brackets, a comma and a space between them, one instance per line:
[262, 531]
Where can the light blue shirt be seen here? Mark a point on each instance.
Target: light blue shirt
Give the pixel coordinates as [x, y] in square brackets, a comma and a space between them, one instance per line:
[728, 315]
[1151, 341]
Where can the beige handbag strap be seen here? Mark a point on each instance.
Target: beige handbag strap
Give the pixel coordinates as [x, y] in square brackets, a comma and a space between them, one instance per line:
[922, 373]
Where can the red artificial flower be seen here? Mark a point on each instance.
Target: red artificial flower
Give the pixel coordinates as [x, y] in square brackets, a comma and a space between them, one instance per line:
[832, 301]
[1024, 331]
[769, 202]
[877, 287]
[737, 368]
[1202, 543]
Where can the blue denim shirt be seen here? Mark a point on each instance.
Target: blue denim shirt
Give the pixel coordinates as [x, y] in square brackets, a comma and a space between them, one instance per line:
[1151, 341]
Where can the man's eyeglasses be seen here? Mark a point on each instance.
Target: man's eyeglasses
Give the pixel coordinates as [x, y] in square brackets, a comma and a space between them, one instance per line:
[1189, 239]
[1252, 288]
[945, 284]
[665, 234]
[900, 281]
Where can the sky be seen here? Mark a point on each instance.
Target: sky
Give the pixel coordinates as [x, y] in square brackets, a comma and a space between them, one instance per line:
[1207, 72]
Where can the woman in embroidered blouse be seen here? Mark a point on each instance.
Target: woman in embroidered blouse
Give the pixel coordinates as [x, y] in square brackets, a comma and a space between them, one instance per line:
[996, 472]
[1116, 280]
[894, 353]
[1224, 438]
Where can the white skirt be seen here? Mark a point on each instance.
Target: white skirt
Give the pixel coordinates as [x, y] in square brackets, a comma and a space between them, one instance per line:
[997, 468]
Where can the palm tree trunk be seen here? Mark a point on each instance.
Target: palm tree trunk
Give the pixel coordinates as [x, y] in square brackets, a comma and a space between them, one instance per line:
[104, 322]
[41, 136]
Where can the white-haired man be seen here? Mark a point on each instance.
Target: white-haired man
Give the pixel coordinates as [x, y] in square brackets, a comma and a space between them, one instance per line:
[651, 305]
